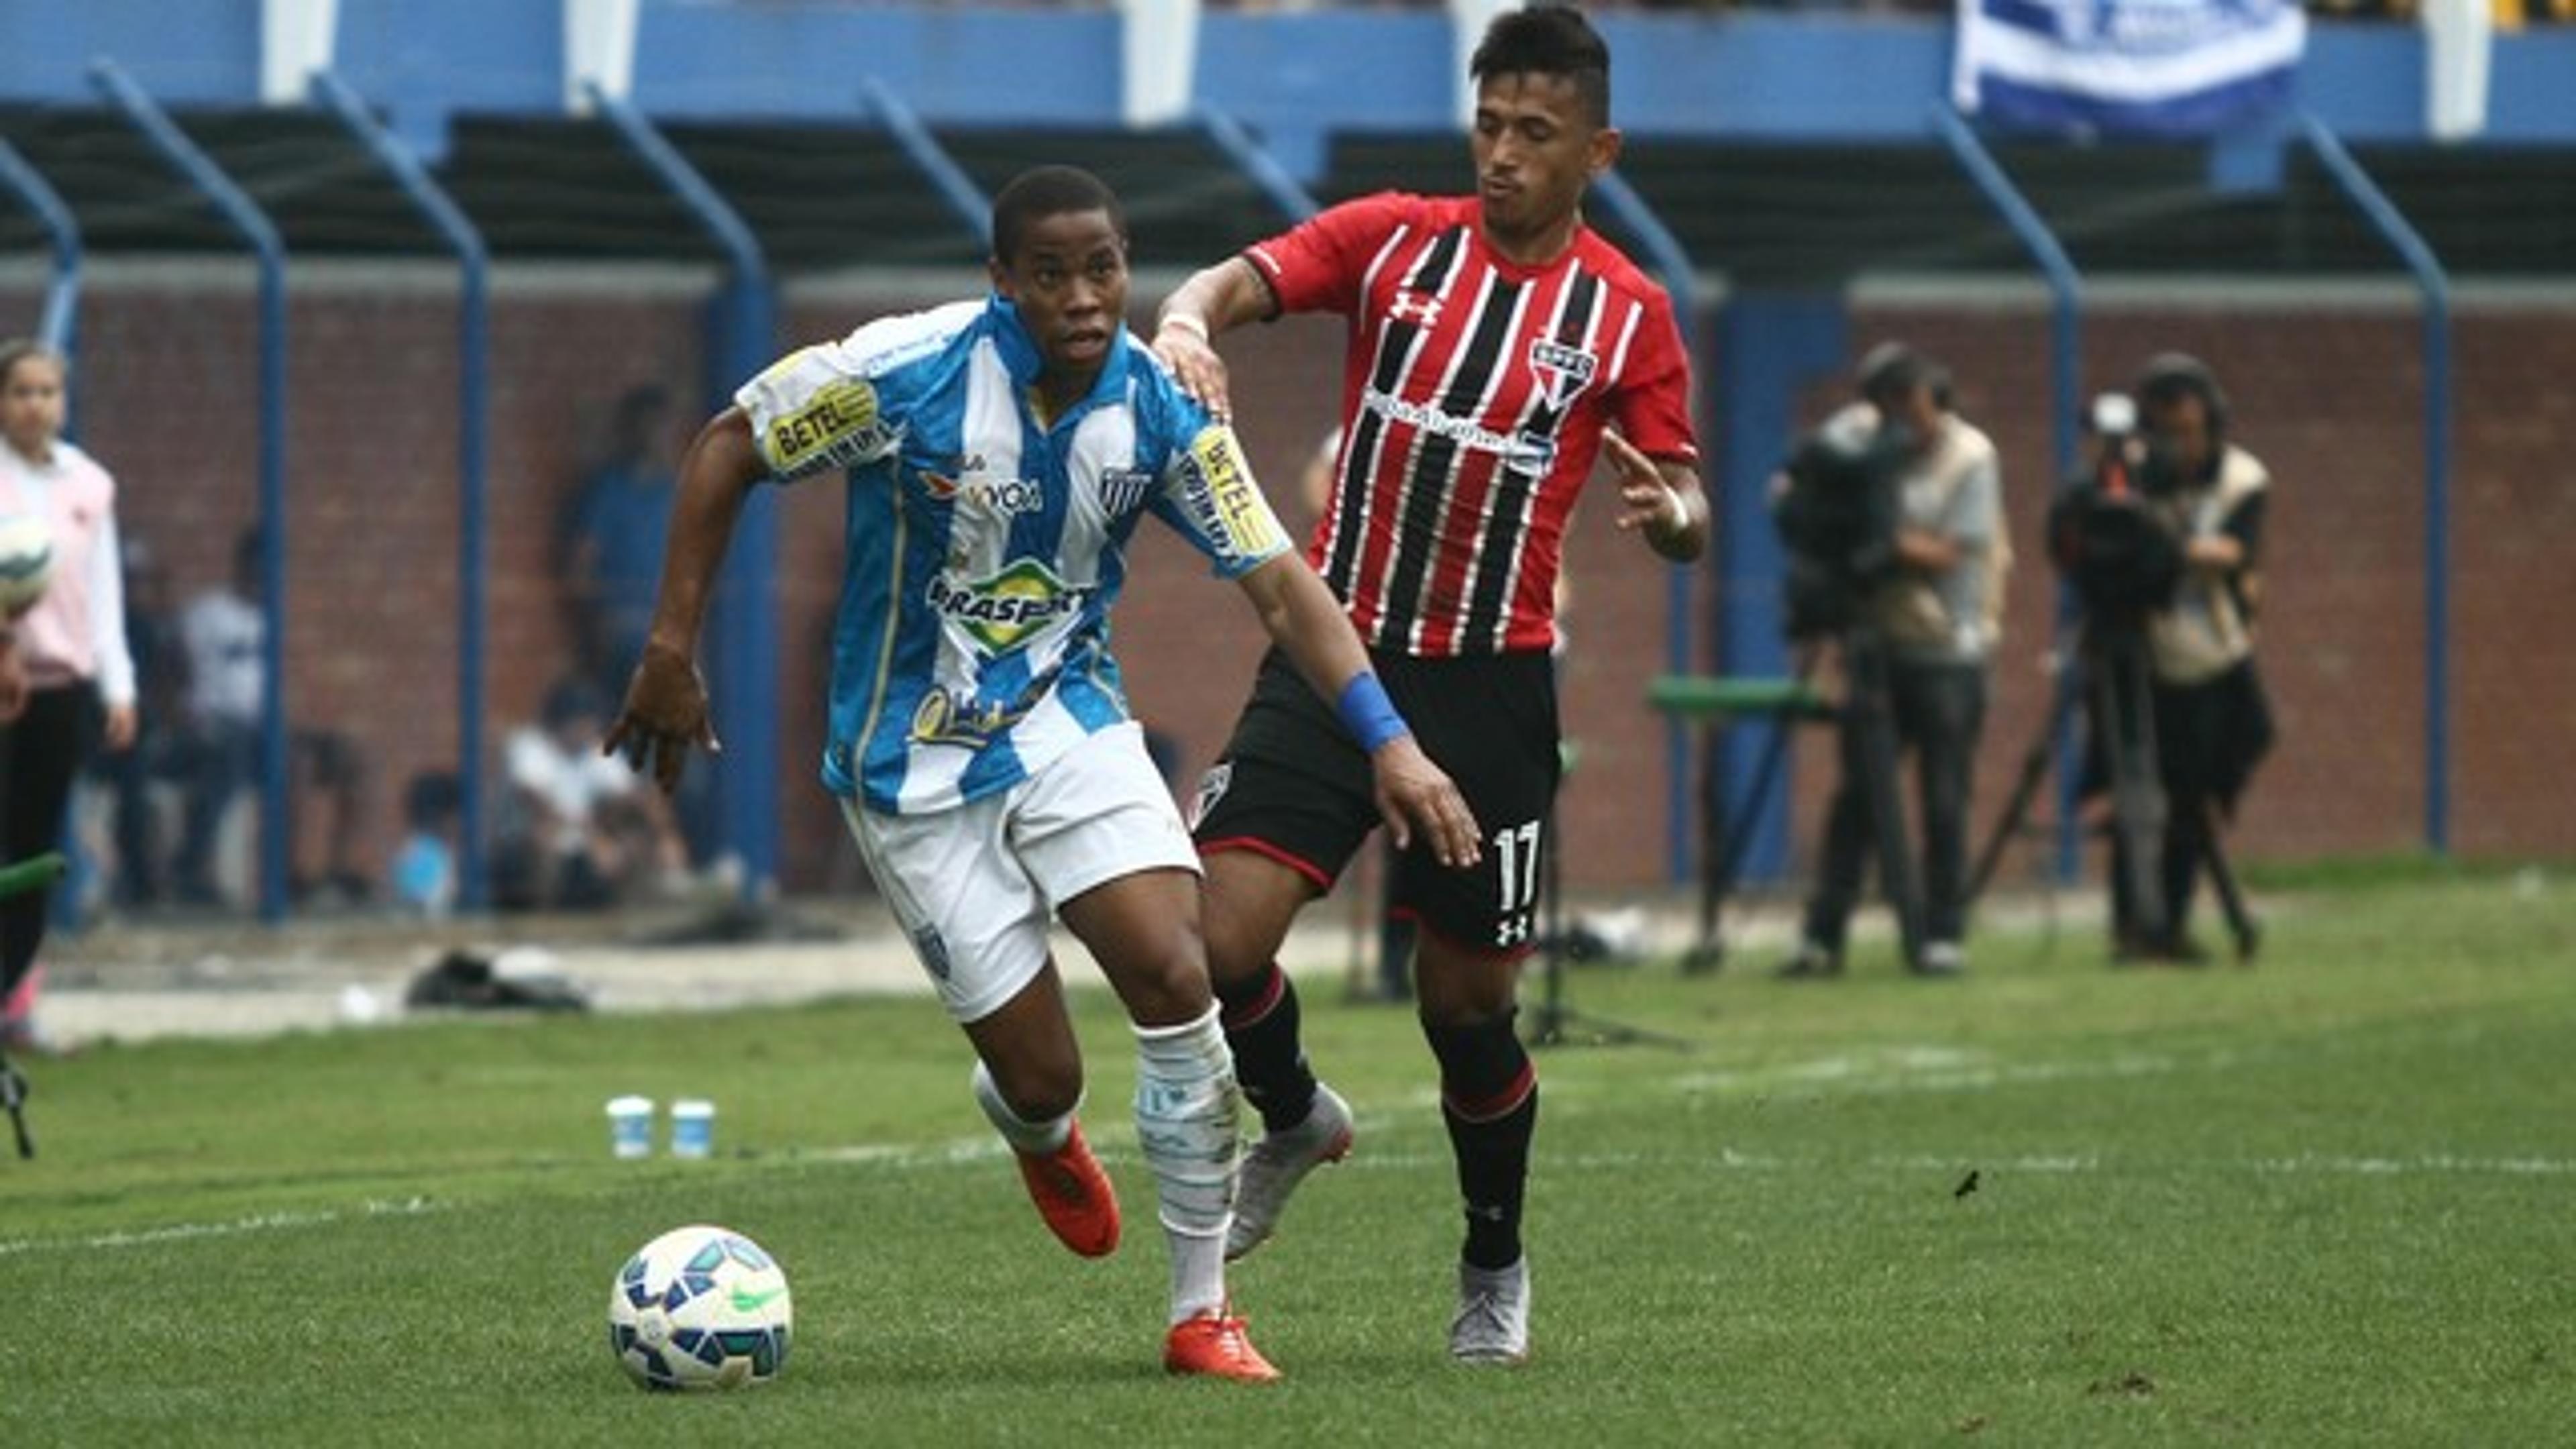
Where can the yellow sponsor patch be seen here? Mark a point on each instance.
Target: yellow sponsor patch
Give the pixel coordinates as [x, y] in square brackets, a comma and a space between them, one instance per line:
[1238, 508]
[839, 422]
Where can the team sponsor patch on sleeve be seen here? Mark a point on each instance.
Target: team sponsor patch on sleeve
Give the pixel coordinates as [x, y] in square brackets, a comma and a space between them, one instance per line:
[809, 415]
[1225, 500]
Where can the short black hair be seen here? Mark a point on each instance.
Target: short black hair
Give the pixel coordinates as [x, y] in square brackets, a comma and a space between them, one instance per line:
[1044, 191]
[1891, 371]
[1548, 39]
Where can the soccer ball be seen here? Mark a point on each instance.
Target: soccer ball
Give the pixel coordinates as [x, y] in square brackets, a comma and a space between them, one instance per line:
[26, 561]
[700, 1307]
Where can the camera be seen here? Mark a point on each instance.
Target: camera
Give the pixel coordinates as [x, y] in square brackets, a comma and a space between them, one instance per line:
[2115, 547]
[1837, 514]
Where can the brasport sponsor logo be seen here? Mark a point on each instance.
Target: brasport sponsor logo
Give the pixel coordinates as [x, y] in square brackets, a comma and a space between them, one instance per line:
[1002, 611]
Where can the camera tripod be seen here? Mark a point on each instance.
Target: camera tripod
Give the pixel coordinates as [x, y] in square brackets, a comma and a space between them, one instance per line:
[1555, 1023]
[1867, 711]
[2111, 665]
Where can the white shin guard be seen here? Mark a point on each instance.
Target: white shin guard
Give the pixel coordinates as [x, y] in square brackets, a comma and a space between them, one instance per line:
[1187, 1108]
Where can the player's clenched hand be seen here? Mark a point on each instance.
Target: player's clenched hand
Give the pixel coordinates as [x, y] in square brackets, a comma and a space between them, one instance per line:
[1195, 365]
[664, 714]
[1413, 792]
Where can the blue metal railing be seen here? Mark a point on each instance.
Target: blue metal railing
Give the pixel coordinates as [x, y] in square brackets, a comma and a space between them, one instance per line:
[1672, 266]
[2434, 283]
[1259, 166]
[744, 326]
[245, 217]
[473, 416]
[964, 197]
[61, 320]
[2066, 359]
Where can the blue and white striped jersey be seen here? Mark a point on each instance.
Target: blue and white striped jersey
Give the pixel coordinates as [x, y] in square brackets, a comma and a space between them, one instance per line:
[985, 546]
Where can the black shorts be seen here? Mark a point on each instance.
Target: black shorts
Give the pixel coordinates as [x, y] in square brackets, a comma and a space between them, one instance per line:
[1294, 786]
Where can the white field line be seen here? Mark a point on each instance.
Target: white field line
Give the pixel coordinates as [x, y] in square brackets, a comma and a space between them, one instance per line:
[227, 1228]
[1900, 1068]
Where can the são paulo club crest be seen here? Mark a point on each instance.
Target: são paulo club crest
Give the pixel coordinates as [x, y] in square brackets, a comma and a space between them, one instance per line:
[1563, 372]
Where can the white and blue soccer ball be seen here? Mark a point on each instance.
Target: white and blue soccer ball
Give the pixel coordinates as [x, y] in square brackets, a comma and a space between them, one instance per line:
[26, 561]
[700, 1307]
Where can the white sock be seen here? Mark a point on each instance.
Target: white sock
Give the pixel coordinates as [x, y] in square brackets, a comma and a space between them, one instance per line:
[1186, 1119]
[1037, 1139]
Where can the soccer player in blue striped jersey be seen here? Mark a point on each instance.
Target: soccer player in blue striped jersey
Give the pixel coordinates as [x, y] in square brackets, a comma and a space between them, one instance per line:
[999, 455]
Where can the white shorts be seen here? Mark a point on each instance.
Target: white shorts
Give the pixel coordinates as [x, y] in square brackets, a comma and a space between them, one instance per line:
[976, 887]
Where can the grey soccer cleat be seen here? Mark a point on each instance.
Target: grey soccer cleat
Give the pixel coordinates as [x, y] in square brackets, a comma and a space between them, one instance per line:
[1280, 1161]
[1492, 1325]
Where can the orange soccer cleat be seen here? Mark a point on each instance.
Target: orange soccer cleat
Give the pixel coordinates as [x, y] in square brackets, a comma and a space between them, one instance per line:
[1073, 1195]
[1215, 1344]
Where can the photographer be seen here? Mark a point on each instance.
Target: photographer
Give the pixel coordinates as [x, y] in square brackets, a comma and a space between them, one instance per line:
[1925, 598]
[2212, 723]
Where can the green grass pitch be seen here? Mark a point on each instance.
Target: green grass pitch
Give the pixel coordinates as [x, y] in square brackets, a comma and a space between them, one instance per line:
[2328, 1200]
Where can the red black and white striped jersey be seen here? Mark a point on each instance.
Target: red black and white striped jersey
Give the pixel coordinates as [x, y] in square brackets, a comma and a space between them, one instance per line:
[1474, 394]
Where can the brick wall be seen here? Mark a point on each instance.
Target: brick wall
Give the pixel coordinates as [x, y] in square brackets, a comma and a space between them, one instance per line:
[2325, 393]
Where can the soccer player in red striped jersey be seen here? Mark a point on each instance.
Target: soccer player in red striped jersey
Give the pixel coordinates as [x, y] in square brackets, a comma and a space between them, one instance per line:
[1498, 349]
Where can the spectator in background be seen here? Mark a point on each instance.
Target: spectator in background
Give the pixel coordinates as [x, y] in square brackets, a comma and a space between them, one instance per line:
[424, 869]
[576, 830]
[611, 537]
[70, 645]
[609, 545]
[135, 777]
[223, 633]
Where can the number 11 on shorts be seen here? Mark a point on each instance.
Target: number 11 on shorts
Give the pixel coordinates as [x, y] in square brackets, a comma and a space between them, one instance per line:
[1516, 857]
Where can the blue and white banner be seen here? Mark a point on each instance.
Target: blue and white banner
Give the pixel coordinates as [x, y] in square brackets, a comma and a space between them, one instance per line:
[2129, 67]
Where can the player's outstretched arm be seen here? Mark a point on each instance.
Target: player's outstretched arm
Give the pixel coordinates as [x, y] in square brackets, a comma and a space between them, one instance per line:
[1662, 498]
[1213, 300]
[1308, 623]
[665, 712]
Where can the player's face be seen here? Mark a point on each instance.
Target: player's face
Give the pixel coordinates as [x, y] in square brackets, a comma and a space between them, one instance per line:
[31, 404]
[1536, 149]
[2181, 427]
[1070, 281]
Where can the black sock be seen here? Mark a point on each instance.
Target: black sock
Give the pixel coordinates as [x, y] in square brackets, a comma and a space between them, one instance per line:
[1489, 1098]
[1261, 1028]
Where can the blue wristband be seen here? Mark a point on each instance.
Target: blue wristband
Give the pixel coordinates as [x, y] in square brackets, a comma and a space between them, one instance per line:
[1368, 714]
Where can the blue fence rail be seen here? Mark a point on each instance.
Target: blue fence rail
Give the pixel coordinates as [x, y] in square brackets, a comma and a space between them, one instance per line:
[473, 422]
[261, 236]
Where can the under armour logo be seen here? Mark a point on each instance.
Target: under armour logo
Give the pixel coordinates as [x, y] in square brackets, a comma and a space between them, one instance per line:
[1417, 307]
[1514, 929]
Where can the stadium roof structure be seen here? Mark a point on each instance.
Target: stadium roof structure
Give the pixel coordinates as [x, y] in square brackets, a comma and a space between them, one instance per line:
[826, 196]
[1779, 213]
[818, 196]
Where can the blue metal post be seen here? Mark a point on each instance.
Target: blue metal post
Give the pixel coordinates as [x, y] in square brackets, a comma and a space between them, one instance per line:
[1770, 347]
[746, 687]
[2065, 289]
[954, 186]
[472, 428]
[62, 296]
[245, 217]
[2434, 283]
[1672, 267]
[1293, 199]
